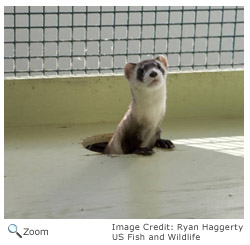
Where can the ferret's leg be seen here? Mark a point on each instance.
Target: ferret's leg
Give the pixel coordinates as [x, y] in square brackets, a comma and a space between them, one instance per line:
[145, 151]
[161, 143]
[165, 144]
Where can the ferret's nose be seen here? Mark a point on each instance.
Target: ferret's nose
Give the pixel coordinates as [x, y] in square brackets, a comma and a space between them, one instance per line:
[153, 74]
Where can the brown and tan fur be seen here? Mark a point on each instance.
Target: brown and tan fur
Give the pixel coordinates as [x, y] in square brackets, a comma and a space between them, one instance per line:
[139, 130]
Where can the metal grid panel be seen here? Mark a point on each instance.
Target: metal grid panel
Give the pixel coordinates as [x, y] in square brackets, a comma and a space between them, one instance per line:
[83, 40]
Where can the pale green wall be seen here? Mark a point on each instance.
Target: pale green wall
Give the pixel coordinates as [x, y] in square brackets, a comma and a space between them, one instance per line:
[206, 94]
[70, 100]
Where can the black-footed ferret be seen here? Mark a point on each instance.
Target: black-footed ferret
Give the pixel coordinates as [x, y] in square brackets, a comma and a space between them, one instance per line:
[139, 130]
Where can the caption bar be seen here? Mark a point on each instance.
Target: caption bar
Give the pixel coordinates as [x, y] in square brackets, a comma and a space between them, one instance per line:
[152, 232]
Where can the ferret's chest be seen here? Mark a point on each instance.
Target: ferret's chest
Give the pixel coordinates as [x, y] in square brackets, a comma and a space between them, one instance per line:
[151, 109]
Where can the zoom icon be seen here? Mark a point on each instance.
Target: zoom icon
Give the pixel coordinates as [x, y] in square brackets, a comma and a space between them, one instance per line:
[13, 229]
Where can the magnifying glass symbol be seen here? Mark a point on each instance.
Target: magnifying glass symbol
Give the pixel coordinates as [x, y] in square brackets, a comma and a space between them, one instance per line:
[13, 229]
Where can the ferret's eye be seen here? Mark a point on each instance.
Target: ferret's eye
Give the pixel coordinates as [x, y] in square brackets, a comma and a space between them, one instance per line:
[158, 66]
[140, 71]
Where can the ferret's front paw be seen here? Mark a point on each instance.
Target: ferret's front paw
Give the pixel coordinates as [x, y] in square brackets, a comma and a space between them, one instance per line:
[164, 144]
[144, 151]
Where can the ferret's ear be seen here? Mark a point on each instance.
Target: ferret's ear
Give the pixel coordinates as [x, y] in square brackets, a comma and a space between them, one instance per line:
[128, 69]
[163, 60]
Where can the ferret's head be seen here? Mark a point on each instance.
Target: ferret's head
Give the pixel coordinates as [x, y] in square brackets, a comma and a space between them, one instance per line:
[148, 73]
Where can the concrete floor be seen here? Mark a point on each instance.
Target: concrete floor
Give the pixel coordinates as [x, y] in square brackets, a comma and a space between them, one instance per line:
[48, 174]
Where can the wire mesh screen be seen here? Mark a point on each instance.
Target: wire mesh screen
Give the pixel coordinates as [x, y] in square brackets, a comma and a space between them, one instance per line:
[84, 40]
